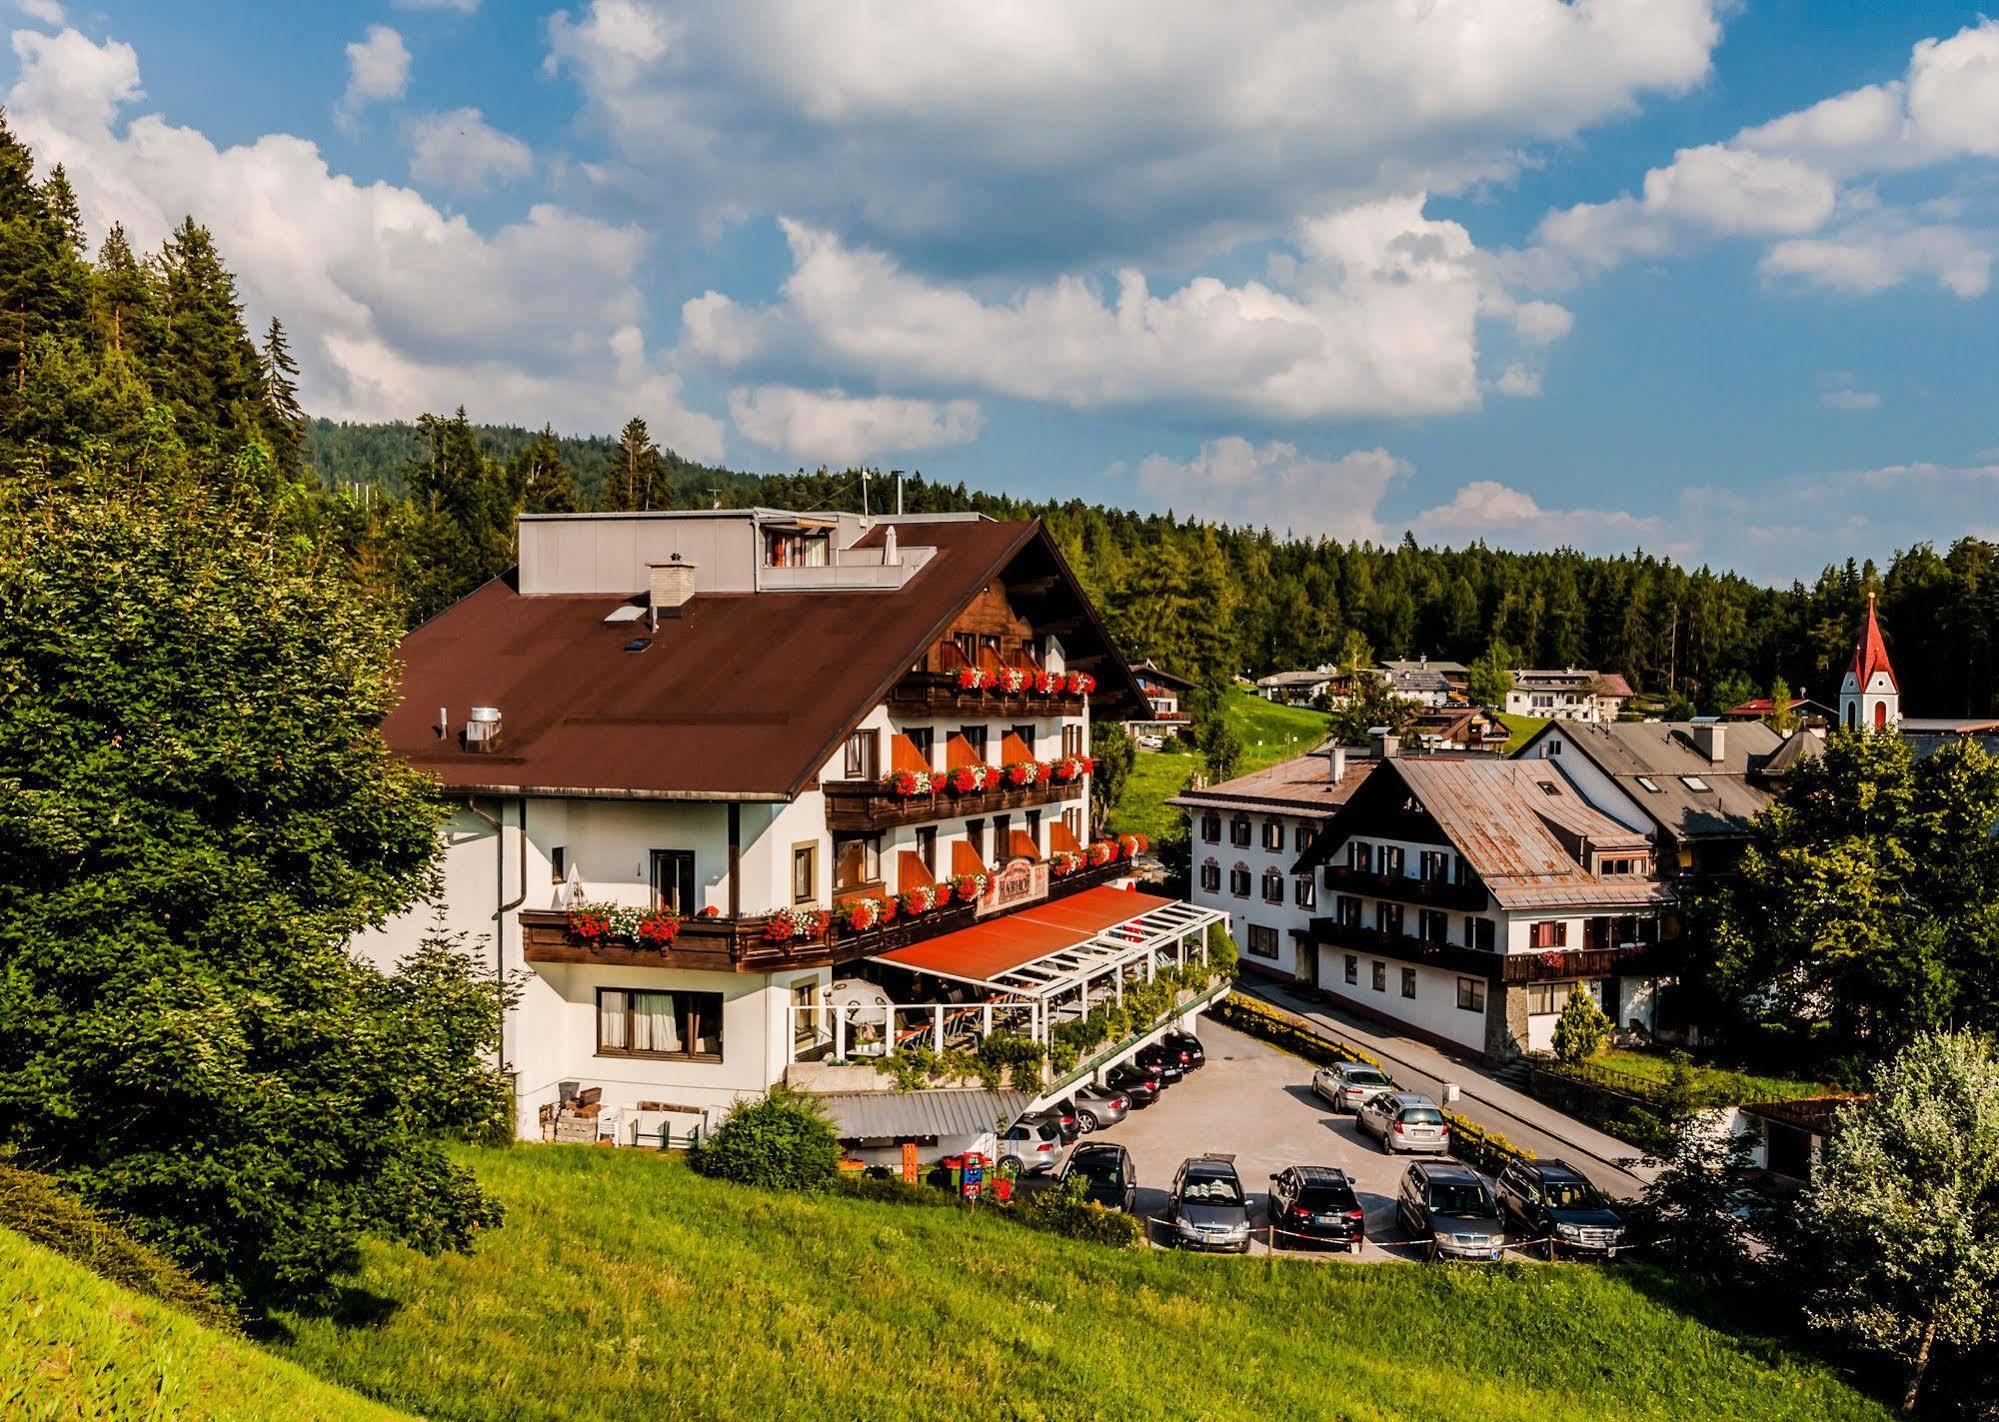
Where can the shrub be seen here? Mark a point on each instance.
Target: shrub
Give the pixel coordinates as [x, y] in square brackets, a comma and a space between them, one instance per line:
[1582, 1030]
[36, 1207]
[1063, 1210]
[783, 1142]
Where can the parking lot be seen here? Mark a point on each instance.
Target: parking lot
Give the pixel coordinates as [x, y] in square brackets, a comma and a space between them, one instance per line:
[1255, 1102]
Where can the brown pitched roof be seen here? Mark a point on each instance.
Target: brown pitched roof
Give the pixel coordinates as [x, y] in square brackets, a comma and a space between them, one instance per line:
[741, 696]
[1299, 786]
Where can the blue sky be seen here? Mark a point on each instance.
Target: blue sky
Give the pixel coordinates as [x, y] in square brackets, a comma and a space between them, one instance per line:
[1710, 278]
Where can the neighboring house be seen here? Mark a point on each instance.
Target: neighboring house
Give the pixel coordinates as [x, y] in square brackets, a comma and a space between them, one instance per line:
[1303, 688]
[1245, 834]
[723, 725]
[1803, 711]
[1696, 785]
[1458, 728]
[1165, 709]
[1462, 898]
[1568, 695]
[1429, 684]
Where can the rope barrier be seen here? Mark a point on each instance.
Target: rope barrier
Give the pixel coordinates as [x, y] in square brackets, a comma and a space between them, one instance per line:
[1546, 1245]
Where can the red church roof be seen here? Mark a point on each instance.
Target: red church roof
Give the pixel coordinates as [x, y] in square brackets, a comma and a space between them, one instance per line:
[1870, 653]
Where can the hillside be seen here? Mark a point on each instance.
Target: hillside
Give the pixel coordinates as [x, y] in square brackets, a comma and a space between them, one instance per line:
[75, 1347]
[626, 1286]
[1268, 732]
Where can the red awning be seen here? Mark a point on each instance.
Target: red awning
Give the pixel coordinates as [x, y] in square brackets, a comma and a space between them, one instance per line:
[999, 945]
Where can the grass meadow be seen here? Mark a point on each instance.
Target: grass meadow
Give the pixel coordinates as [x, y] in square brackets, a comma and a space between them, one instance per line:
[624, 1286]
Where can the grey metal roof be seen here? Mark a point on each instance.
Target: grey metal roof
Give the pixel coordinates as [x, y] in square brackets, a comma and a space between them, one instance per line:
[954, 1112]
[1740, 785]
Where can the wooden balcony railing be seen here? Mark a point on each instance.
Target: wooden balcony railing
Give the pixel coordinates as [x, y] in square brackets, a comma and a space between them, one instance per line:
[1405, 888]
[865, 805]
[739, 945]
[923, 693]
[1554, 965]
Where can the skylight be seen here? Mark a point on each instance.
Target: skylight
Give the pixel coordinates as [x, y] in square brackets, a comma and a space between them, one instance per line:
[1649, 783]
[1694, 782]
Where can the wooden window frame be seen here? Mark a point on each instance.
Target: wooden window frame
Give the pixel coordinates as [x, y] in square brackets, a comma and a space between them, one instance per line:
[685, 886]
[693, 1033]
[1261, 934]
[809, 849]
[558, 863]
[861, 756]
[1471, 995]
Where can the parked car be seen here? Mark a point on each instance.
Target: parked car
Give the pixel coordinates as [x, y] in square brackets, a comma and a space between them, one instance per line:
[1206, 1207]
[1064, 1112]
[1315, 1203]
[1099, 1106]
[1167, 1063]
[1192, 1053]
[1404, 1120]
[1344, 1085]
[1140, 1087]
[1032, 1145]
[1148, 741]
[1551, 1199]
[1110, 1179]
[1449, 1206]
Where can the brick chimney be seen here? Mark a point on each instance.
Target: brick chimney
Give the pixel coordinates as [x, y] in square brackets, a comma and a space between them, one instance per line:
[672, 587]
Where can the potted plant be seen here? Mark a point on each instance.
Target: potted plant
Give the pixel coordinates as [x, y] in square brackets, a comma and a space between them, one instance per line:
[919, 900]
[657, 928]
[1101, 852]
[907, 784]
[1080, 683]
[971, 679]
[1021, 772]
[1048, 683]
[1010, 679]
[589, 923]
[969, 886]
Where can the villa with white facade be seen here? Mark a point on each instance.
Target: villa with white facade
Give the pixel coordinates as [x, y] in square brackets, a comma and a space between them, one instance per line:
[749, 796]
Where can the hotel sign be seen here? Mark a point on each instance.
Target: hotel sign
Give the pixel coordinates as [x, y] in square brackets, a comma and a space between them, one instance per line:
[1022, 881]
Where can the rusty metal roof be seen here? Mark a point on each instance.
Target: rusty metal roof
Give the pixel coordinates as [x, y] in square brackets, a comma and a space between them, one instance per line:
[740, 696]
[1301, 786]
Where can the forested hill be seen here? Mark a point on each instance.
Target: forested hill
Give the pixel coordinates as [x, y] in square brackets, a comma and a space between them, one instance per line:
[1214, 601]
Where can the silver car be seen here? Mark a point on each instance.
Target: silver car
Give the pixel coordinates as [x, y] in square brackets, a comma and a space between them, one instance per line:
[1344, 1085]
[1099, 1106]
[1404, 1120]
[1206, 1207]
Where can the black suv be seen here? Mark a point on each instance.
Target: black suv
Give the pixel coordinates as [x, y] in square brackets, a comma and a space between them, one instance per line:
[1192, 1053]
[1315, 1204]
[1163, 1060]
[1448, 1206]
[1109, 1178]
[1550, 1199]
[1141, 1085]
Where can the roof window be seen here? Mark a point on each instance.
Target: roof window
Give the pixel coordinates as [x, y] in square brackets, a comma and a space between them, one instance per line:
[1648, 783]
[1694, 782]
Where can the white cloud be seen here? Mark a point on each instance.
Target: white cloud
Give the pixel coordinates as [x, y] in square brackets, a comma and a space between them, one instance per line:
[1495, 513]
[394, 307]
[1275, 486]
[48, 12]
[378, 69]
[1877, 253]
[459, 150]
[833, 427]
[1519, 380]
[1380, 318]
[1049, 136]
[463, 7]
[1847, 398]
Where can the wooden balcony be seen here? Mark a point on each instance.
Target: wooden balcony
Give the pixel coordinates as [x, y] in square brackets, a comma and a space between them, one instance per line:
[868, 805]
[923, 694]
[1404, 888]
[1553, 965]
[739, 946]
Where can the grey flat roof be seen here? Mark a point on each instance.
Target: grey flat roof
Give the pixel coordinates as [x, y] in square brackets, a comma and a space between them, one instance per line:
[858, 1115]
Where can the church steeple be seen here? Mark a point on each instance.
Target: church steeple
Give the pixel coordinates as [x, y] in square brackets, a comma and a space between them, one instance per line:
[1870, 698]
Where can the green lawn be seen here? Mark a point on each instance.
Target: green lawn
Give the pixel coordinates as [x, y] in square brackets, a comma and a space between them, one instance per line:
[73, 1347]
[1269, 733]
[1722, 1082]
[625, 1286]
[1523, 727]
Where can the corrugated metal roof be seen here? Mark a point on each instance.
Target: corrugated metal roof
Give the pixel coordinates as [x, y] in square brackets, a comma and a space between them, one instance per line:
[1664, 753]
[858, 1115]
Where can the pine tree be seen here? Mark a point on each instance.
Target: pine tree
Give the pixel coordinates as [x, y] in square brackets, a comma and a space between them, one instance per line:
[209, 365]
[637, 472]
[60, 198]
[42, 279]
[539, 480]
[123, 303]
[284, 415]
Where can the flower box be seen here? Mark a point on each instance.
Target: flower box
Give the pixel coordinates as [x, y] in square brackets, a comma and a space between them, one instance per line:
[908, 784]
[657, 928]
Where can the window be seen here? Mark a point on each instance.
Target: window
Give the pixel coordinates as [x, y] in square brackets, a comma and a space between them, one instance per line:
[1479, 932]
[1301, 838]
[967, 646]
[1002, 838]
[975, 738]
[926, 848]
[1072, 740]
[805, 1021]
[857, 860]
[1353, 970]
[558, 864]
[924, 739]
[1305, 893]
[1548, 933]
[1273, 835]
[659, 1024]
[863, 759]
[1552, 748]
[796, 550]
[1388, 919]
[1544, 999]
[1239, 881]
[1409, 983]
[975, 836]
[1349, 909]
[1471, 994]
[1435, 866]
[1025, 735]
[1211, 828]
[1695, 784]
[673, 880]
[1211, 877]
[1433, 926]
[1615, 867]
[1360, 857]
[1391, 860]
[1034, 828]
[1273, 886]
[1646, 782]
[804, 873]
[1239, 831]
[1074, 820]
[1549, 787]
[1262, 941]
[1380, 974]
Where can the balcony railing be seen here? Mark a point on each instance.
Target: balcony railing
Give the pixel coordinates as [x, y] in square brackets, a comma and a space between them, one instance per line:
[1404, 888]
[1551, 965]
[863, 805]
[742, 945]
[923, 693]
